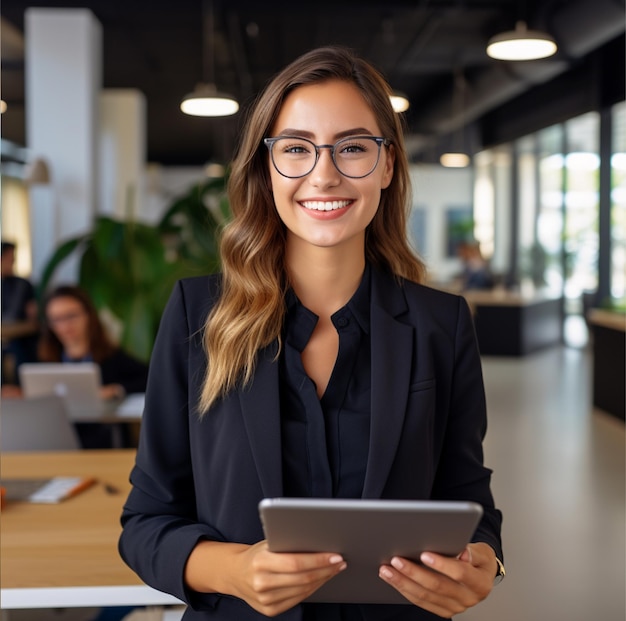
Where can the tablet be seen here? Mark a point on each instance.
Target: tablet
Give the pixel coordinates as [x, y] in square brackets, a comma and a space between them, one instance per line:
[366, 533]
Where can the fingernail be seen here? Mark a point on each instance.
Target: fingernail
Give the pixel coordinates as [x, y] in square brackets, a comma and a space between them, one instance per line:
[427, 559]
[385, 572]
[397, 563]
[336, 558]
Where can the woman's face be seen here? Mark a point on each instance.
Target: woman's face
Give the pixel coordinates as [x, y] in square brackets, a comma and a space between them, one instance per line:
[68, 320]
[325, 208]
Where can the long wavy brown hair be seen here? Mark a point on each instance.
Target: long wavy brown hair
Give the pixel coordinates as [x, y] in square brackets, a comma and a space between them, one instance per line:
[249, 314]
[50, 349]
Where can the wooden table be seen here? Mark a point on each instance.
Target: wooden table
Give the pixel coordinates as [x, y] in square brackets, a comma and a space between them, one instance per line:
[65, 555]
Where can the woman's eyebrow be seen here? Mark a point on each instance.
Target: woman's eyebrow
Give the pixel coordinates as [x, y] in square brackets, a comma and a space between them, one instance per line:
[355, 131]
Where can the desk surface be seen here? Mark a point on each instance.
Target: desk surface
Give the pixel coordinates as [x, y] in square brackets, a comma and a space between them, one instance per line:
[607, 319]
[66, 554]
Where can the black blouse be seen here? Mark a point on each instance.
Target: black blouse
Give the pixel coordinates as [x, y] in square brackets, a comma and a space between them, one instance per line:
[325, 441]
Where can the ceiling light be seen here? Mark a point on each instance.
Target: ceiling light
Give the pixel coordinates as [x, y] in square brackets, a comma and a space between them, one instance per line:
[206, 100]
[399, 101]
[454, 160]
[521, 44]
[457, 158]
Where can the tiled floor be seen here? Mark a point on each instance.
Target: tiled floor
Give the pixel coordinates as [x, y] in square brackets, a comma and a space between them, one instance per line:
[559, 478]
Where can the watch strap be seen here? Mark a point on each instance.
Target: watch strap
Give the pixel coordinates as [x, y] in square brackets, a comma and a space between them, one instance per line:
[500, 573]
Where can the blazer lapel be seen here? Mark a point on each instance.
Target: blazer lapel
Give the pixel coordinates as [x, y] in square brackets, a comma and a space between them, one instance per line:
[392, 351]
[260, 406]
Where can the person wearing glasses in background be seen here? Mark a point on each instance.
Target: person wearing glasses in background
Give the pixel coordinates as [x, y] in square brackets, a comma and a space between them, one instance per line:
[72, 331]
[315, 365]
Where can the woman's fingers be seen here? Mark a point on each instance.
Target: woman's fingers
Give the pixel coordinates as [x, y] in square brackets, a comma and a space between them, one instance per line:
[279, 570]
[445, 586]
[279, 581]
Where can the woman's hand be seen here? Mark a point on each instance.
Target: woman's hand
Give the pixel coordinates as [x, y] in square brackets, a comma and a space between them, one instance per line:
[112, 391]
[274, 582]
[11, 391]
[442, 585]
[269, 582]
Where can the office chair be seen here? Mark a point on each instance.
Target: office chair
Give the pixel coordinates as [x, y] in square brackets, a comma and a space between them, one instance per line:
[36, 424]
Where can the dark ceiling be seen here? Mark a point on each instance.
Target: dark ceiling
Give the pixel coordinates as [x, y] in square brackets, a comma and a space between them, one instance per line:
[156, 46]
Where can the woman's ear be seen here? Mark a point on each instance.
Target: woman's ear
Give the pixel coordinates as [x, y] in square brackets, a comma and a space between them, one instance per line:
[390, 159]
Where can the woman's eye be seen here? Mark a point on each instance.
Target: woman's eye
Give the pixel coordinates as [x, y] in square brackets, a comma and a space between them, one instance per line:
[296, 149]
[353, 147]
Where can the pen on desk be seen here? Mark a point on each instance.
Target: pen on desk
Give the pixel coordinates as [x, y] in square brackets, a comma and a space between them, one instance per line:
[80, 486]
[110, 489]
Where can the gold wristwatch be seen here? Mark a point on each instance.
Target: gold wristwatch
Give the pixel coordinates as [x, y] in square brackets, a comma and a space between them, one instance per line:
[500, 573]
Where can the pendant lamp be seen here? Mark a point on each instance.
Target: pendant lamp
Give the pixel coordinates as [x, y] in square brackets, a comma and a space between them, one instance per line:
[457, 158]
[206, 100]
[521, 44]
[399, 101]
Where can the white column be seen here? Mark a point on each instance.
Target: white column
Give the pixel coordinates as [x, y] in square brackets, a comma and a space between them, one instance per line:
[122, 156]
[63, 81]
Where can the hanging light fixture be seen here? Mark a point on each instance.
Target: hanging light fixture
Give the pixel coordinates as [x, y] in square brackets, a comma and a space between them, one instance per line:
[206, 100]
[521, 44]
[457, 158]
[399, 101]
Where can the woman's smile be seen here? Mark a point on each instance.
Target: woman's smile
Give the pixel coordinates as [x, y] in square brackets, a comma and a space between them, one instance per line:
[325, 205]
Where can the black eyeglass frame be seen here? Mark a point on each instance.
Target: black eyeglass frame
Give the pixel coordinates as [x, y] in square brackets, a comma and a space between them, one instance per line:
[379, 140]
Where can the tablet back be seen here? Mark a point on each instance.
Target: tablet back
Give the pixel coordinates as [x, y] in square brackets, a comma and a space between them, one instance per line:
[366, 533]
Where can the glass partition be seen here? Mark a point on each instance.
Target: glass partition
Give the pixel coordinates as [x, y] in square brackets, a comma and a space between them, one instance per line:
[582, 195]
[546, 253]
[618, 206]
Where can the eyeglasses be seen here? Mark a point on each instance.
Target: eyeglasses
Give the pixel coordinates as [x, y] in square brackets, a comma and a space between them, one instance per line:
[355, 157]
[69, 317]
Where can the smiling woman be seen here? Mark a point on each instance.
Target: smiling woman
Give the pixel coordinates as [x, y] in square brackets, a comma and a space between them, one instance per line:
[316, 365]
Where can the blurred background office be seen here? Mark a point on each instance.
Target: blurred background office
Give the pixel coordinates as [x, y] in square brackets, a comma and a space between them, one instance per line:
[108, 183]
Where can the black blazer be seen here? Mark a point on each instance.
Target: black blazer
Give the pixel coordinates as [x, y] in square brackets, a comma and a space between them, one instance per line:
[196, 479]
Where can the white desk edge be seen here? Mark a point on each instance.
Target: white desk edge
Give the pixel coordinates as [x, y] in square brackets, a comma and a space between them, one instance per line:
[79, 597]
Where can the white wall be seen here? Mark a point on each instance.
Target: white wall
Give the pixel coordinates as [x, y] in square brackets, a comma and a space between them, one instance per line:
[63, 80]
[122, 145]
[435, 190]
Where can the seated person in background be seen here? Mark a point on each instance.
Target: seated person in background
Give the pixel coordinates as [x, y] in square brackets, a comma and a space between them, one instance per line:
[19, 317]
[73, 332]
[476, 271]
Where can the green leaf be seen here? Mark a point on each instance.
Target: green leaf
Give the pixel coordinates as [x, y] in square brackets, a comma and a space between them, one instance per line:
[59, 255]
[130, 267]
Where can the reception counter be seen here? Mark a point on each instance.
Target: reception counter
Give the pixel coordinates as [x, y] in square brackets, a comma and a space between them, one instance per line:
[515, 323]
[609, 356]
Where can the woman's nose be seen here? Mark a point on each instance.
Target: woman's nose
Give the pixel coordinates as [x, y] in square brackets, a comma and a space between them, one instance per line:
[325, 173]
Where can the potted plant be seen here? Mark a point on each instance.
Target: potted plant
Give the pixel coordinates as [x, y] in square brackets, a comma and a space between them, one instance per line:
[129, 268]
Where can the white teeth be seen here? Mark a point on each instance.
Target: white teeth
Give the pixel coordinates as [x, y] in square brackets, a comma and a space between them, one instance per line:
[325, 205]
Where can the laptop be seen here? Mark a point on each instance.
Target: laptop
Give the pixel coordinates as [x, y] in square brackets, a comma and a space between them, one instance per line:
[38, 424]
[77, 383]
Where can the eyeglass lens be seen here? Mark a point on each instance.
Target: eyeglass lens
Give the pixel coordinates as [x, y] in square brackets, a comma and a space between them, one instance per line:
[355, 156]
[69, 317]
